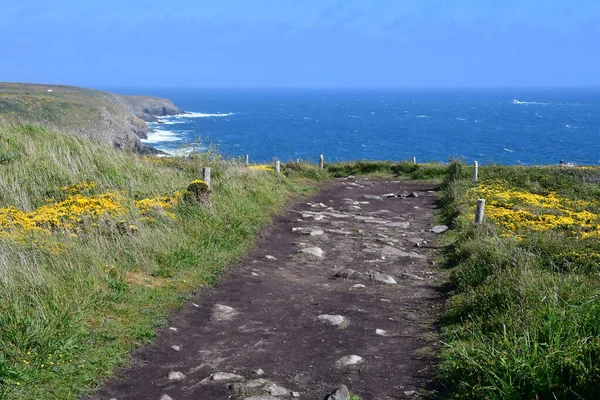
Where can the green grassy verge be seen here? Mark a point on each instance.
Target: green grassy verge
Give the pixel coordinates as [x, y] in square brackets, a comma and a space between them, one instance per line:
[98, 246]
[523, 318]
[388, 168]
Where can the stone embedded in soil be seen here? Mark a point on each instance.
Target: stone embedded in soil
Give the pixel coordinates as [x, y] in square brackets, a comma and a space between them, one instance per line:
[175, 376]
[268, 257]
[295, 394]
[358, 286]
[166, 397]
[335, 320]
[439, 229]
[251, 384]
[401, 224]
[348, 361]
[276, 390]
[173, 329]
[417, 277]
[258, 372]
[372, 197]
[394, 252]
[379, 277]
[413, 194]
[341, 393]
[222, 312]
[314, 251]
[261, 398]
[226, 376]
[339, 231]
[348, 273]
[381, 332]
[176, 348]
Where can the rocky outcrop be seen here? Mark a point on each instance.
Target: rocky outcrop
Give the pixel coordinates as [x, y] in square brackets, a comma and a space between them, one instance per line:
[112, 118]
[148, 108]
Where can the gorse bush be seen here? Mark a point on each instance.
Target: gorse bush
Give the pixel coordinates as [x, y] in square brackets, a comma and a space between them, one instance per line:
[522, 322]
[97, 246]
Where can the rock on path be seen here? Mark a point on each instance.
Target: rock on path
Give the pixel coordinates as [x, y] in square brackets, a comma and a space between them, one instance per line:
[336, 291]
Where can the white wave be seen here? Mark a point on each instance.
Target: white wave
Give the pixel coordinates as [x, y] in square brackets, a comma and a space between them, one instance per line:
[568, 126]
[515, 101]
[423, 116]
[159, 135]
[203, 115]
[509, 150]
[185, 151]
[461, 119]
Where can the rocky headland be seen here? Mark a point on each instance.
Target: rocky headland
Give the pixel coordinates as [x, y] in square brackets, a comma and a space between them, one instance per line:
[116, 119]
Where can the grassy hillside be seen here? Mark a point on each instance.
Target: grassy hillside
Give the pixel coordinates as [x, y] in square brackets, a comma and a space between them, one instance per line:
[523, 321]
[98, 246]
[104, 116]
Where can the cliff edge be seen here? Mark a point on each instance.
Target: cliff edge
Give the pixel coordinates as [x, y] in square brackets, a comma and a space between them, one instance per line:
[108, 117]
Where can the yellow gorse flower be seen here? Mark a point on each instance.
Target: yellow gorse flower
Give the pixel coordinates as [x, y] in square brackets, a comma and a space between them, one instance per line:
[261, 167]
[517, 211]
[78, 207]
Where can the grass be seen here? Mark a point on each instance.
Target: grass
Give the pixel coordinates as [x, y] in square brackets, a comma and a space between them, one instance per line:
[522, 321]
[431, 171]
[83, 278]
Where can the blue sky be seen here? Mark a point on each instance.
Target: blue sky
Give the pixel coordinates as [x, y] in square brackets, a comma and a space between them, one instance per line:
[308, 43]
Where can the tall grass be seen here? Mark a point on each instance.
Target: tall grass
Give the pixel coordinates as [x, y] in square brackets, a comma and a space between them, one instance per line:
[74, 302]
[522, 322]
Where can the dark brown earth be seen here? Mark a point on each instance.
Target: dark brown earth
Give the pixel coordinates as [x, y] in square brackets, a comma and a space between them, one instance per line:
[278, 302]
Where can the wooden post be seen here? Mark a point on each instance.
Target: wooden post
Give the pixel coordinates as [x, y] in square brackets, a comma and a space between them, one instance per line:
[321, 161]
[476, 172]
[414, 160]
[479, 212]
[247, 160]
[298, 161]
[206, 176]
[278, 167]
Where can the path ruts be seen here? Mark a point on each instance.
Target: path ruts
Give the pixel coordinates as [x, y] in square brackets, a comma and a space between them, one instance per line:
[290, 322]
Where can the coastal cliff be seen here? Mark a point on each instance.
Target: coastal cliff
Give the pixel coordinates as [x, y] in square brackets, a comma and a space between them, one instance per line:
[108, 117]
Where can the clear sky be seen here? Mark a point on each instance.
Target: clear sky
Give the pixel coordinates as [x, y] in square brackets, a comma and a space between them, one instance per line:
[301, 43]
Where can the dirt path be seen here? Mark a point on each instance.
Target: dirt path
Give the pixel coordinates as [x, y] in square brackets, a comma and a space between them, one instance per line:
[286, 321]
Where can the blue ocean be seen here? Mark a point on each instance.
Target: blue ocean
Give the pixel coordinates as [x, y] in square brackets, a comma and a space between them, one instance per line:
[492, 126]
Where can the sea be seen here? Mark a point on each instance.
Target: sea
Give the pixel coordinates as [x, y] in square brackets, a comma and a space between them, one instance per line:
[519, 127]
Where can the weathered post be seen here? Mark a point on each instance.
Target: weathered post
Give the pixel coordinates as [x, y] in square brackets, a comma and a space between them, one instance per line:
[321, 161]
[247, 160]
[278, 167]
[476, 172]
[298, 161]
[479, 211]
[414, 160]
[206, 176]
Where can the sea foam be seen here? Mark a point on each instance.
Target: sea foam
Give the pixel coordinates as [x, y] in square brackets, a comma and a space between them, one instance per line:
[159, 135]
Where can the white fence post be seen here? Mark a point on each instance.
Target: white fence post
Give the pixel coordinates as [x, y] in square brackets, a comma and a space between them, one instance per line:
[414, 160]
[247, 160]
[479, 211]
[278, 167]
[206, 176]
[321, 161]
[476, 172]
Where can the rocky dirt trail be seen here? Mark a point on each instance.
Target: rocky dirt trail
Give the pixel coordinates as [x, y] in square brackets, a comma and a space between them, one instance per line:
[342, 289]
